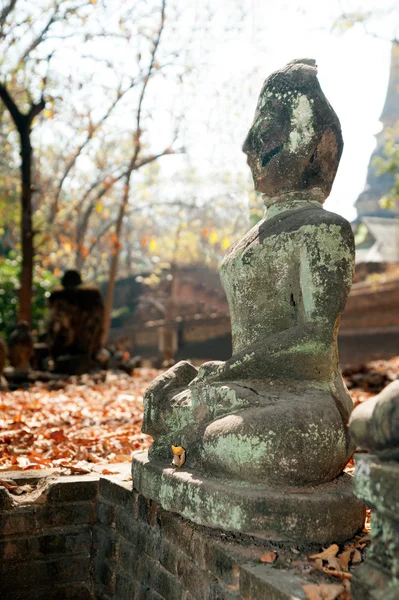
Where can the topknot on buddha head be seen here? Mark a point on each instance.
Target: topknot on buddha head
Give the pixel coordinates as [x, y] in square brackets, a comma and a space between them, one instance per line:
[295, 142]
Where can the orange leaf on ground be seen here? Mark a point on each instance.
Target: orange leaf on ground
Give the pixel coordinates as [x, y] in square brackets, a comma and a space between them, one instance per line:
[333, 563]
[79, 470]
[22, 489]
[16, 489]
[363, 540]
[108, 472]
[9, 485]
[58, 436]
[344, 559]
[327, 553]
[323, 591]
[268, 557]
[84, 419]
[338, 574]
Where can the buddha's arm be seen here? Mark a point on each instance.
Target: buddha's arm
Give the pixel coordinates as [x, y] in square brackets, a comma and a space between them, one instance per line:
[307, 350]
[288, 355]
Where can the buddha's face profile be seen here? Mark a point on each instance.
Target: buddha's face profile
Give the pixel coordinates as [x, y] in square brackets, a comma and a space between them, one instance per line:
[295, 141]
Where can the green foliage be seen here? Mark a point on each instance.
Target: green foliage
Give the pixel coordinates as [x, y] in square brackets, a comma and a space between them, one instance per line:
[389, 163]
[43, 281]
[255, 215]
[348, 20]
[361, 234]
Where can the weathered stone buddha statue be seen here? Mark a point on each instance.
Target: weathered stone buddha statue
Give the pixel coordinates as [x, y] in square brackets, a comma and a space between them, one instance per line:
[265, 433]
[75, 324]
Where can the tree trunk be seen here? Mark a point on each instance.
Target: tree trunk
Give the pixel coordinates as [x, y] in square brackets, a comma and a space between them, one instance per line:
[23, 123]
[109, 298]
[170, 319]
[25, 290]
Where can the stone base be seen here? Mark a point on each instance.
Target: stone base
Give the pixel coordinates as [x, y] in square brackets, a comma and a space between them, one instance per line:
[377, 484]
[323, 514]
[371, 582]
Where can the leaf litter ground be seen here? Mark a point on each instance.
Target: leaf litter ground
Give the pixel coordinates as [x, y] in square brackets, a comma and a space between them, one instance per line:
[85, 422]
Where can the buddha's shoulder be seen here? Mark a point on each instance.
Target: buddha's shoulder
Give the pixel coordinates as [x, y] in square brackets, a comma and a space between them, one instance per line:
[292, 220]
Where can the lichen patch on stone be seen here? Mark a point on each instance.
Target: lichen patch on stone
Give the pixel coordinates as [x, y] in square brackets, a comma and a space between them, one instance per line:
[301, 122]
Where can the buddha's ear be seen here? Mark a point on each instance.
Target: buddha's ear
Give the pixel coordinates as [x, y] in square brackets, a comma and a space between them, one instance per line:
[322, 165]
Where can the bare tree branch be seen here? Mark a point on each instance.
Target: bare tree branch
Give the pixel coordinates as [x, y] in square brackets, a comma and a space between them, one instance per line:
[109, 224]
[100, 235]
[39, 38]
[10, 104]
[35, 110]
[6, 11]
[137, 146]
[152, 157]
[91, 131]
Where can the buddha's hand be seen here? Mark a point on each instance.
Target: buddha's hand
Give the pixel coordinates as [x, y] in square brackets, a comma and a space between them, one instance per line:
[208, 371]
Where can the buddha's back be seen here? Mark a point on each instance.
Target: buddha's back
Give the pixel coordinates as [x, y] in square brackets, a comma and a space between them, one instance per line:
[290, 269]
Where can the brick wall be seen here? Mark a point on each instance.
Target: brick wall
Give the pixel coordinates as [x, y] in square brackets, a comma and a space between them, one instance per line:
[89, 537]
[142, 551]
[45, 543]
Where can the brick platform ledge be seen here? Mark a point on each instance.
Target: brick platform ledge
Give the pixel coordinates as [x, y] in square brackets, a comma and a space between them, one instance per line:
[94, 537]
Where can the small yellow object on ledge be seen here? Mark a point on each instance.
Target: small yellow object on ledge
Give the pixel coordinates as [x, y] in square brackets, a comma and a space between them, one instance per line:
[179, 456]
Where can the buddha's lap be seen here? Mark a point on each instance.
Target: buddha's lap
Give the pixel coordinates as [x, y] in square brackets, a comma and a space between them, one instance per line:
[296, 439]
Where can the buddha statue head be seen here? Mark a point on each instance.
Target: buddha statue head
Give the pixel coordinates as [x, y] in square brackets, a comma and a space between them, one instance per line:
[71, 279]
[295, 142]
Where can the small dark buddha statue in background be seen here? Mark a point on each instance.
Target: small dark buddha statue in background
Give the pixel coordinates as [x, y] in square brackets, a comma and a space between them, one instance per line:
[75, 324]
[274, 417]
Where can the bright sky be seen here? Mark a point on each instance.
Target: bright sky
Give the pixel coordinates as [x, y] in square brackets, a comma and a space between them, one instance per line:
[353, 72]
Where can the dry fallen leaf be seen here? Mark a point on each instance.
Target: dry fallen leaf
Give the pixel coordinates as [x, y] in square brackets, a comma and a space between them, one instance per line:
[9, 485]
[179, 456]
[58, 436]
[333, 563]
[364, 539]
[22, 489]
[323, 591]
[268, 557]
[108, 472]
[79, 470]
[357, 557]
[329, 552]
[338, 574]
[82, 422]
[344, 559]
[13, 488]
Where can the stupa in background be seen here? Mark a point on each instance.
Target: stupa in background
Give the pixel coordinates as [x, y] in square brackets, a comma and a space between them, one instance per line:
[376, 227]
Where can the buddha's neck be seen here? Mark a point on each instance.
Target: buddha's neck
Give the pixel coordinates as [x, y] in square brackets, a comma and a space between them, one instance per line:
[293, 200]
